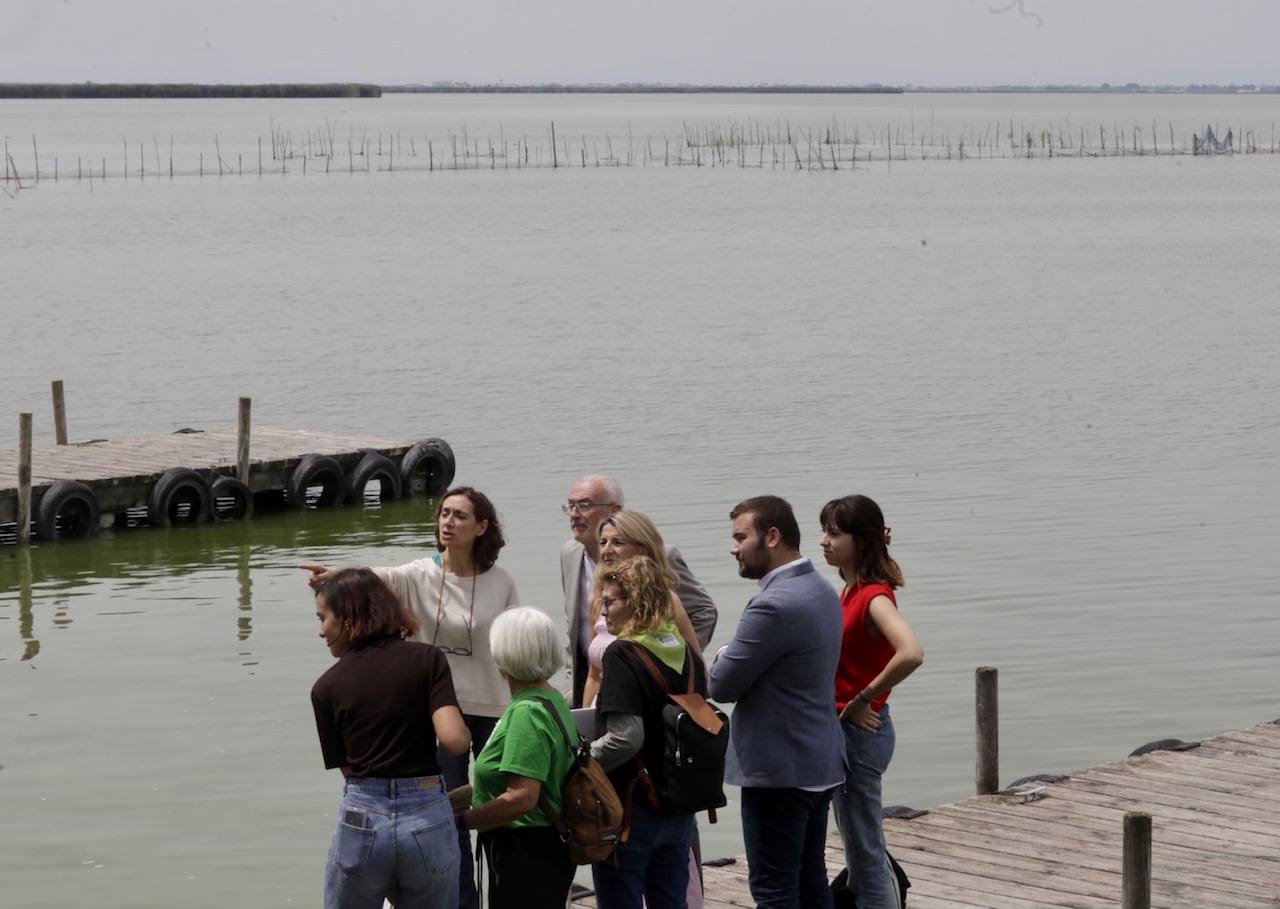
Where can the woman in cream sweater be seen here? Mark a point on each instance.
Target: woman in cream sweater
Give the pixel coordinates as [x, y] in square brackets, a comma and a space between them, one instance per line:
[456, 594]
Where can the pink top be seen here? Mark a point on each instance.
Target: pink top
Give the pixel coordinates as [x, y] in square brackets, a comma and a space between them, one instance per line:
[599, 644]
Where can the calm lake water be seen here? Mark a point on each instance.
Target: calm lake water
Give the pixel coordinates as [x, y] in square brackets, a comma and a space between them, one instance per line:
[1059, 378]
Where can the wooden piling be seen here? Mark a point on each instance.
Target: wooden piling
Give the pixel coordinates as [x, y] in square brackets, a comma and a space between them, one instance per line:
[24, 479]
[242, 441]
[1136, 875]
[988, 730]
[59, 413]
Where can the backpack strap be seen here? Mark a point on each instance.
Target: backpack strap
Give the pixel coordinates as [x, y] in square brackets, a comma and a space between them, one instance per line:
[543, 802]
[691, 702]
[555, 716]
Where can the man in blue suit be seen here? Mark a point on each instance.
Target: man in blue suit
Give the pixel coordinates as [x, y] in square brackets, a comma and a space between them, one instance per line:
[786, 750]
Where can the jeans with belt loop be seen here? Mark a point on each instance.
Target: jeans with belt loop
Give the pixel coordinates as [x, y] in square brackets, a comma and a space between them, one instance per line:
[857, 812]
[395, 837]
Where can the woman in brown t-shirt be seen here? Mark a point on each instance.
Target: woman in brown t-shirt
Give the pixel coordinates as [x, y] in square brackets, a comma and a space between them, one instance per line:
[380, 712]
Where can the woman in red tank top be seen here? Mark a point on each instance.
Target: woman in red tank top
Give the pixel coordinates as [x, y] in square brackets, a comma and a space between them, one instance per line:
[878, 650]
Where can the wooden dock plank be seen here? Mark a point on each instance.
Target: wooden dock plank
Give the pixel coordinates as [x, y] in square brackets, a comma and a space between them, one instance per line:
[1049, 857]
[135, 460]
[1216, 840]
[1089, 830]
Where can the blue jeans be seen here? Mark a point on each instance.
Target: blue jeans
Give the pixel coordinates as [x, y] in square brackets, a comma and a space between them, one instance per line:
[785, 834]
[652, 867]
[857, 810]
[395, 838]
[454, 768]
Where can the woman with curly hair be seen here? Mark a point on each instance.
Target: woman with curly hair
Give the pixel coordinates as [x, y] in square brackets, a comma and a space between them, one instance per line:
[878, 651]
[382, 710]
[456, 594]
[653, 864]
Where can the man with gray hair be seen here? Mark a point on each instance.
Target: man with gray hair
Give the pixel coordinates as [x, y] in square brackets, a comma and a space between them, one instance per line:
[591, 500]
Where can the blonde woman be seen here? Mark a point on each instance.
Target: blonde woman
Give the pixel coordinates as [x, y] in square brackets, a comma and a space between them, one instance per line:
[653, 864]
[625, 535]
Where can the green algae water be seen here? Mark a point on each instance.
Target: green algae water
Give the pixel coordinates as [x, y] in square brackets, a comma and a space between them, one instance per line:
[1058, 378]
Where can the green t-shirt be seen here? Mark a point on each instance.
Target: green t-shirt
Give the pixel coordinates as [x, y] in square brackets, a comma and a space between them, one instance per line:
[528, 743]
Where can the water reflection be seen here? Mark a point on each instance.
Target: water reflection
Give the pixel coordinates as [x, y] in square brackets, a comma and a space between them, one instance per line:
[25, 616]
[245, 600]
[131, 562]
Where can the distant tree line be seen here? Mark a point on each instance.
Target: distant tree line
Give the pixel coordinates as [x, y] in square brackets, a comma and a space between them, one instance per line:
[640, 88]
[188, 90]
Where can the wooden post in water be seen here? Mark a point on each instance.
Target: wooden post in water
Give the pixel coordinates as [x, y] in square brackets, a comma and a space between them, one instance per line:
[24, 479]
[988, 730]
[242, 442]
[59, 413]
[1136, 885]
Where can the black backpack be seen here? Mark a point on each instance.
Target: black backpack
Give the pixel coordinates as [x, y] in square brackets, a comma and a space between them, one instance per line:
[844, 898]
[696, 737]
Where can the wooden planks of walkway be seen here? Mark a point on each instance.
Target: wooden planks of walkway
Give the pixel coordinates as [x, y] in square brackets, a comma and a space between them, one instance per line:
[1216, 840]
[121, 472]
[215, 449]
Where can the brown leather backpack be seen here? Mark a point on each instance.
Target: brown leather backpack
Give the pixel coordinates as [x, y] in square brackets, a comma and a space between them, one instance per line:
[590, 819]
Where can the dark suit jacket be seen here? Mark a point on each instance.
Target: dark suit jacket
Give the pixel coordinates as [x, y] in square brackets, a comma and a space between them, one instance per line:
[697, 602]
[780, 668]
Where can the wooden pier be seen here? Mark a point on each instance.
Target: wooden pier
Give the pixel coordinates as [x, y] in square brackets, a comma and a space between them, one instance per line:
[1214, 843]
[193, 476]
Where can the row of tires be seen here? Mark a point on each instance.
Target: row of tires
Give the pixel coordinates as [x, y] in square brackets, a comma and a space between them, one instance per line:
[70, 508]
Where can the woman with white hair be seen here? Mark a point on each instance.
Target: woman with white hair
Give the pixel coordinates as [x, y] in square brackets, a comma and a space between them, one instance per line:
[526, 758]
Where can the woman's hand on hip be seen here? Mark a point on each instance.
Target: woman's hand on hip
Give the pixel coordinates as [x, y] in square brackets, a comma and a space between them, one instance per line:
[859, 713]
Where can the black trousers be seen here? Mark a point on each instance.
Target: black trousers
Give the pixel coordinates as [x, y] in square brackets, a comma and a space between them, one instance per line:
[528, 867]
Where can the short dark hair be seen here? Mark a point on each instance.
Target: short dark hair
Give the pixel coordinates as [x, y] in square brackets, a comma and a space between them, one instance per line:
[862, 519]
[770, 511]
[485, 554]
[359, 599]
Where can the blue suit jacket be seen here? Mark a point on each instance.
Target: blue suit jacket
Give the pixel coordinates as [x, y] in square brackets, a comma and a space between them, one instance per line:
[780, 668]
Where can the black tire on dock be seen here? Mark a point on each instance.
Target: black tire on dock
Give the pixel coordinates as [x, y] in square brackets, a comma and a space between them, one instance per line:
[428, 468]
[374, 466]
[232, 500]
[317, 470]
[180, 496]
[68, 508]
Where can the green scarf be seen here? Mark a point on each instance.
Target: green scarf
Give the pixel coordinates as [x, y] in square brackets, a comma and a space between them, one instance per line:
[665, 643]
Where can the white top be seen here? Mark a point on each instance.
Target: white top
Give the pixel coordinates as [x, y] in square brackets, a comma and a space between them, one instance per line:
[456, 613]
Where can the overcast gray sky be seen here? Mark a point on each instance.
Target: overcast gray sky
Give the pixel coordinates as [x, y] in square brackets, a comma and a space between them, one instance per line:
[729, 41]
